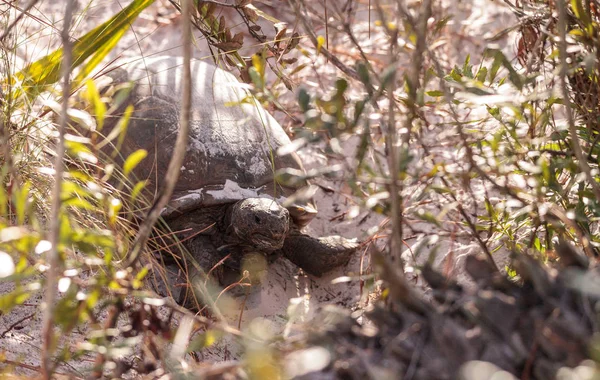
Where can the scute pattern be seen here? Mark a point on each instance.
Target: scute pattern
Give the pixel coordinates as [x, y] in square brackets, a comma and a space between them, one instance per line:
[232, 137]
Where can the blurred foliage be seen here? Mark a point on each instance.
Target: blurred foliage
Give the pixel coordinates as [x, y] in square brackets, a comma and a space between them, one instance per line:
[516, 157]
[100, 207]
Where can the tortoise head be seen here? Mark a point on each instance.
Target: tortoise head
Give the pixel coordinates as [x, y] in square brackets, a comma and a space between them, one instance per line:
[260, 222]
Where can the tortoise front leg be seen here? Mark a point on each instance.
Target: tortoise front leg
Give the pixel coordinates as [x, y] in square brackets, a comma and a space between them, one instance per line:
[180, 274]
[204, 259]
[317, 256]
[207, 259]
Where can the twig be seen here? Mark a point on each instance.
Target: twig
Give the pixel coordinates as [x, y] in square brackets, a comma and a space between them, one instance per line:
[208, 323]
[326, 26]
[180, 146]
[391, 144]
[110, 323]
[416, 355]
[25, 11]
[35, 368]
[471, 161]
[5, 154]
[12, 326]
[243, 307]
[176, 162]
[52, 257]
[309, 29]
[217, 3]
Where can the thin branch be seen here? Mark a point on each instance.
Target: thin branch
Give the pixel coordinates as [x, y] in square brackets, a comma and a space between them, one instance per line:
[309, 29]
[15, 324]
[219, 3]
[469, 153]
[180, 145]
[110, 323]
[37, 369]
[25, 11]
[53, 257]
[392, 148]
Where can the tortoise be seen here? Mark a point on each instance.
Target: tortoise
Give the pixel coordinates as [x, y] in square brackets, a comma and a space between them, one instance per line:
[227, 180]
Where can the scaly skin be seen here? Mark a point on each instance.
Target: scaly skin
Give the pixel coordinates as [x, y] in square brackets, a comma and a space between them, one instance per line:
[260, 223]
[264, 224]
[251, 226]
[318, 256]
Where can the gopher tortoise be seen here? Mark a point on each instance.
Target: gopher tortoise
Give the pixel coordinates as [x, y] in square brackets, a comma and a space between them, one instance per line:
[226, 202]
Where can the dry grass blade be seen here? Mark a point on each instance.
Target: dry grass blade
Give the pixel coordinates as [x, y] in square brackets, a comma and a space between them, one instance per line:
[31, 4]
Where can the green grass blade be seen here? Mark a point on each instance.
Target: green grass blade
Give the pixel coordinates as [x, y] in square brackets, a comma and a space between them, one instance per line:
[97, 43]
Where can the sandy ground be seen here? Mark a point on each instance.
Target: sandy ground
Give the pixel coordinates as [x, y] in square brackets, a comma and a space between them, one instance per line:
[157, 33]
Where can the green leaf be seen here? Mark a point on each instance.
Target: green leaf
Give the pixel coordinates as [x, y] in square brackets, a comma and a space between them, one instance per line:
[120, 130]
[580, 12]
[93, 97]
[204, 340]
[78, 203]
[137, 283]
[133, 160]
[467, 69]
[70, 189]
[303, 100]
[435, 93]
[100, 54]
[362, 148]
[341, 86]
[258, 62]
[320, 43]
[441, 24]
[481, 74]
[256, 78]
[137, 190]
[12, 299]
[501, 60]
[428, 217]
[441, 189]
[90, 241]
[495, 67]
[81, 151]
[363, 73]
[388, 75]
[454, 74]
[21, 197]
[96, 43]
[495, 112]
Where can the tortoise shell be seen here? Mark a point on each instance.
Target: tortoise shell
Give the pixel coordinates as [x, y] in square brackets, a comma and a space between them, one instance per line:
[232, 145]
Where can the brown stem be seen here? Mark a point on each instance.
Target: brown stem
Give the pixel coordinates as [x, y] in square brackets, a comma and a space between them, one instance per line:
[309, 29]
[53, 256]
[12, 326]
[24, 12]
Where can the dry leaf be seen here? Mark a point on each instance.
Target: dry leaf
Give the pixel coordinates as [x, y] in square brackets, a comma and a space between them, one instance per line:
[250, 14]
[228, 46]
